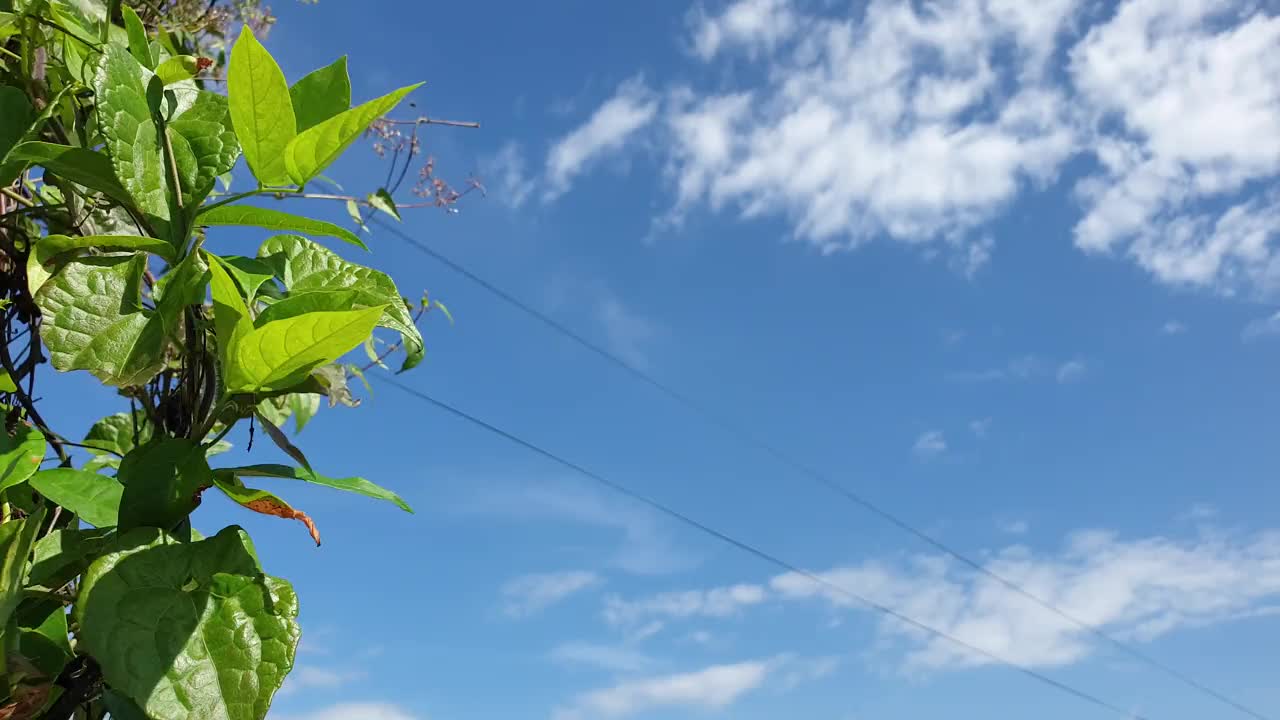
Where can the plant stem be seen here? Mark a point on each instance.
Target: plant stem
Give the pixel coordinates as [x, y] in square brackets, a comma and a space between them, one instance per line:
[17, 197]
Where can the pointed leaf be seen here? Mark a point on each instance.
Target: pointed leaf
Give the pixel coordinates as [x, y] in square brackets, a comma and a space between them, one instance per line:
[162, 483]
[282, 441]
[321, 94]
[381, 200]
[307, 267]
[275, 220]
[65, 553]
[316, 148]
[230, 315]
[248, 273]
[177, 68]
[138, 43]
[48, 248]
[16, 540]
[112, 438]
[281, 353]
[261, 109]
[84, 167]
[95, 498]
[350, 484]
[93, 320]
[188, 630]
[16, 116]
[20, 454]
[304, 406]
[261, 501]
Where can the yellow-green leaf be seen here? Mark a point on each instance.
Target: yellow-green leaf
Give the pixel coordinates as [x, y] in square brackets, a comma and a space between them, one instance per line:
[95, 498]
[261, 109]
[317, 147]
[321, 94]
[139, 46]
[275, 220]
[48, 248]
[177, 68]
[281, 353]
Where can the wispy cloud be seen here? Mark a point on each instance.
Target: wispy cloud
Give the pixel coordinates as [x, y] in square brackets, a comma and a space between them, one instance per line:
[930, 444]
[750, 24]
[1024, 368]
[980, 427]
[628, 334]
[506, 175]
[530, 594]
[614, 658]
[716, 603]
[712, 688]
[1015, 527]
[1173, 327]
[1261, 328]
[1071, 371]
[631, 108]
[313, 677]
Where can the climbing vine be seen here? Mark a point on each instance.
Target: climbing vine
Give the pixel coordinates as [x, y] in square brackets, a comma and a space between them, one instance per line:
[120, 125]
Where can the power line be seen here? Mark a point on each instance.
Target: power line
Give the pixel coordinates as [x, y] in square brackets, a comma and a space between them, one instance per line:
[813, 475]
[750, 549]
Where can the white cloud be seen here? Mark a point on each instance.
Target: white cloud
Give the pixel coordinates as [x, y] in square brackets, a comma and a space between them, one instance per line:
[980, 427]
[606, 657]
[312, 677]
[1137, 589]
[717, 603]
[530, 594]
[357, 711]
[1071, 371]
[1173, 327]
[930, 444]
[1185, 100]
[1015, 527]
[628, 333]
[713, 688]
[1262, 327]
[506, 175]
[749, 24]
[613, 123]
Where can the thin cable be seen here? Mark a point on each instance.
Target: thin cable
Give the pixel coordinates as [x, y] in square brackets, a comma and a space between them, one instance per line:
[753, 550]
[815, 476]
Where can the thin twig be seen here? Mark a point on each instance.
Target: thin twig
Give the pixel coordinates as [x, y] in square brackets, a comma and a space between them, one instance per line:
[424, 120]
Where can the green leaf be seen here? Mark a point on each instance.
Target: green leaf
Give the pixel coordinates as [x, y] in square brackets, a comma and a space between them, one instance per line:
[138, 43]
[42, 635]
[65, 553]
[20, 454]
[48, 248]
[85, 167]
[16, 116]
[304, 303]
[231, 319]
[276, 410]
[112, 438]
[162, 483]
[321, 94]
[282, 441]
[354, 211]
[248, 273]
[350, 484]
[275, 220]
[6, 382]
[316, 148]
[281, 353]
[381, 200]
[95, 498]
[188, 630]
[261, 109]
[306, 267]
[204, 146]
[16, 540]
[124, 116]
[182, 286]
[177, 68]
[261, 501]
[444, 310]
[94, 320]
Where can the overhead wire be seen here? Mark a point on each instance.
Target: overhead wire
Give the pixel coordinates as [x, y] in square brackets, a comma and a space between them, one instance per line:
[743, 436]
[755, 551]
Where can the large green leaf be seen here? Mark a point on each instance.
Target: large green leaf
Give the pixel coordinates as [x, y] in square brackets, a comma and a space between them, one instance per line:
[188, 630]
[95, 498]
[94, 320]
[231, 320]
[20, 454]
[249, 274]
[316, 148]
[306, 267]
[321, 94]
[162, 483]
[16, 116]
[275, 220]
[204, 146]
[261, 501]
[65, 553]
[125, 118]
[261, 109]
[49, 248]
[350, 484]
[139, 46]
[279, 354]
[85, 167]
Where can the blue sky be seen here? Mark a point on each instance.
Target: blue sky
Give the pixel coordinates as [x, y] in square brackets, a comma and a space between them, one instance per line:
[1010, 272]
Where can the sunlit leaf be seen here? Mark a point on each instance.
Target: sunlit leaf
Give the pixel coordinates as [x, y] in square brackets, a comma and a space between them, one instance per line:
[20, 454]
[138, 42]
[47, 249]
[177, 68]
[261, 109]
[350, 484]
[316, 148]
[281, 353]
[95, 498]
[321, 94]
[381, 200]
[261, 501]
[275, 220]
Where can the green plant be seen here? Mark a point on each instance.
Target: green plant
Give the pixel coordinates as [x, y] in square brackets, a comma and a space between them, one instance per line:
[111, 149]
